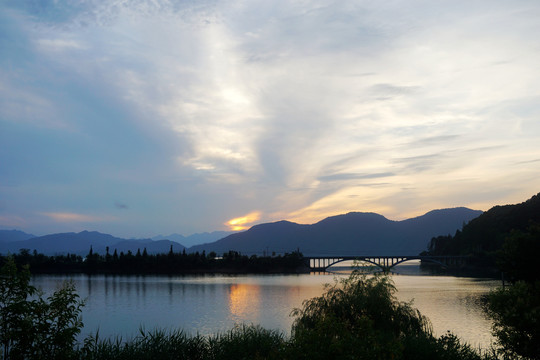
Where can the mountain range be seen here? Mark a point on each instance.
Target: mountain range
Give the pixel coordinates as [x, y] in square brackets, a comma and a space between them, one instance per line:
[194, 239]
[11, 241]
[352, 233]
[357, 233]
[79, 243]
[14, 235]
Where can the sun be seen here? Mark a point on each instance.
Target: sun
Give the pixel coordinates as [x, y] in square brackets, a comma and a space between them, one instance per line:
[243, 222]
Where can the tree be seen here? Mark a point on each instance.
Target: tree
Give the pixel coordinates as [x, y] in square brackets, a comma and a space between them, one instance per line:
[56, 324]
[519, 253]
[357, 315]
[360, 318]
[14, 306]
[516, 309]
[32, 327]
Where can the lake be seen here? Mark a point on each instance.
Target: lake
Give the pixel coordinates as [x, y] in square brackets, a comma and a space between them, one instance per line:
[206, 304]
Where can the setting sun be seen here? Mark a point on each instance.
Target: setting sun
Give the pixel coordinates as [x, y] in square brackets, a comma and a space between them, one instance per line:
[243, 222]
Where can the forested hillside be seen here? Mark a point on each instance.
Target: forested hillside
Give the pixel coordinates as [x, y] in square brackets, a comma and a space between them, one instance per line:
[484, 235]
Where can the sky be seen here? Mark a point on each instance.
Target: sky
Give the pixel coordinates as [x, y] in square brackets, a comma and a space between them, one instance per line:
[138, 118]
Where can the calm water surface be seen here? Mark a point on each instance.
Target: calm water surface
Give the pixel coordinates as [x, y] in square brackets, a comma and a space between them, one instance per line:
[206, 304]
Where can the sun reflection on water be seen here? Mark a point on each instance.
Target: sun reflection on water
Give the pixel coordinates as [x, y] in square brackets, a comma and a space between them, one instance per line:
[244, 302]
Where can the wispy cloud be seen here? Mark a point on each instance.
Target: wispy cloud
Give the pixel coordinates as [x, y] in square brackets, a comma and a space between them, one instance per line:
[390, 91]
[9, 221]
[74, 217]
[354, 176]
[60, 44]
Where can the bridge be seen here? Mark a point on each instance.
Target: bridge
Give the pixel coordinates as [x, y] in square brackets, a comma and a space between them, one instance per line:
[321, 263]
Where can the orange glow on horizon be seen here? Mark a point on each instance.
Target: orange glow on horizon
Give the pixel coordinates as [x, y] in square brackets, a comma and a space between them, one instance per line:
[243, 222]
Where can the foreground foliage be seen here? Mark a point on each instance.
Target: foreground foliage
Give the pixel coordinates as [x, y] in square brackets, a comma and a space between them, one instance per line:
[32, 327]
[356, 318]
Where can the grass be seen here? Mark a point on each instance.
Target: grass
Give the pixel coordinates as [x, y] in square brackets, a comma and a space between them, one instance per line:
[241, 342]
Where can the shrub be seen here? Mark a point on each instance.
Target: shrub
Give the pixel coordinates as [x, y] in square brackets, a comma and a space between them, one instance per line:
[360, 318]
[515, 311]
[32, 327]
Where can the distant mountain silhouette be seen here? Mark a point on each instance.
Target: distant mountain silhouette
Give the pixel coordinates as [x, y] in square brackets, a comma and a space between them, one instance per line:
[14, 235]
[151, 246]
[352, 233]
[195, 239]
[358, 233]
[80, 243]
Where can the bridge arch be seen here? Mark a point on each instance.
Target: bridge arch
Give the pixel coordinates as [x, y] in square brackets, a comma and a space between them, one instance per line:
[322, 263]
[362, 260]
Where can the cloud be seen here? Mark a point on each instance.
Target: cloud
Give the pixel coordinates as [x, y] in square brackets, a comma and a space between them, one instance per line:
[60, 44]
[200, 110]
[529, 161]
[421, 163]
[120, 205]
[355, 176]
[74, 217]
[434, 140]
[390, 91]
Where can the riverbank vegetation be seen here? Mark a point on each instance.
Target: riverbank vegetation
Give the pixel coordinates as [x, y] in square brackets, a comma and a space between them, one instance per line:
[168, 263]
[355, 318]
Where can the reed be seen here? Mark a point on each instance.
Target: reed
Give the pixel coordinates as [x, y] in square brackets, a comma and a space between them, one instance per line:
[241, 342]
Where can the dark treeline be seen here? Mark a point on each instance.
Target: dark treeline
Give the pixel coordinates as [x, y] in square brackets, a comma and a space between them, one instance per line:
[169, 263]
[483, 236]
